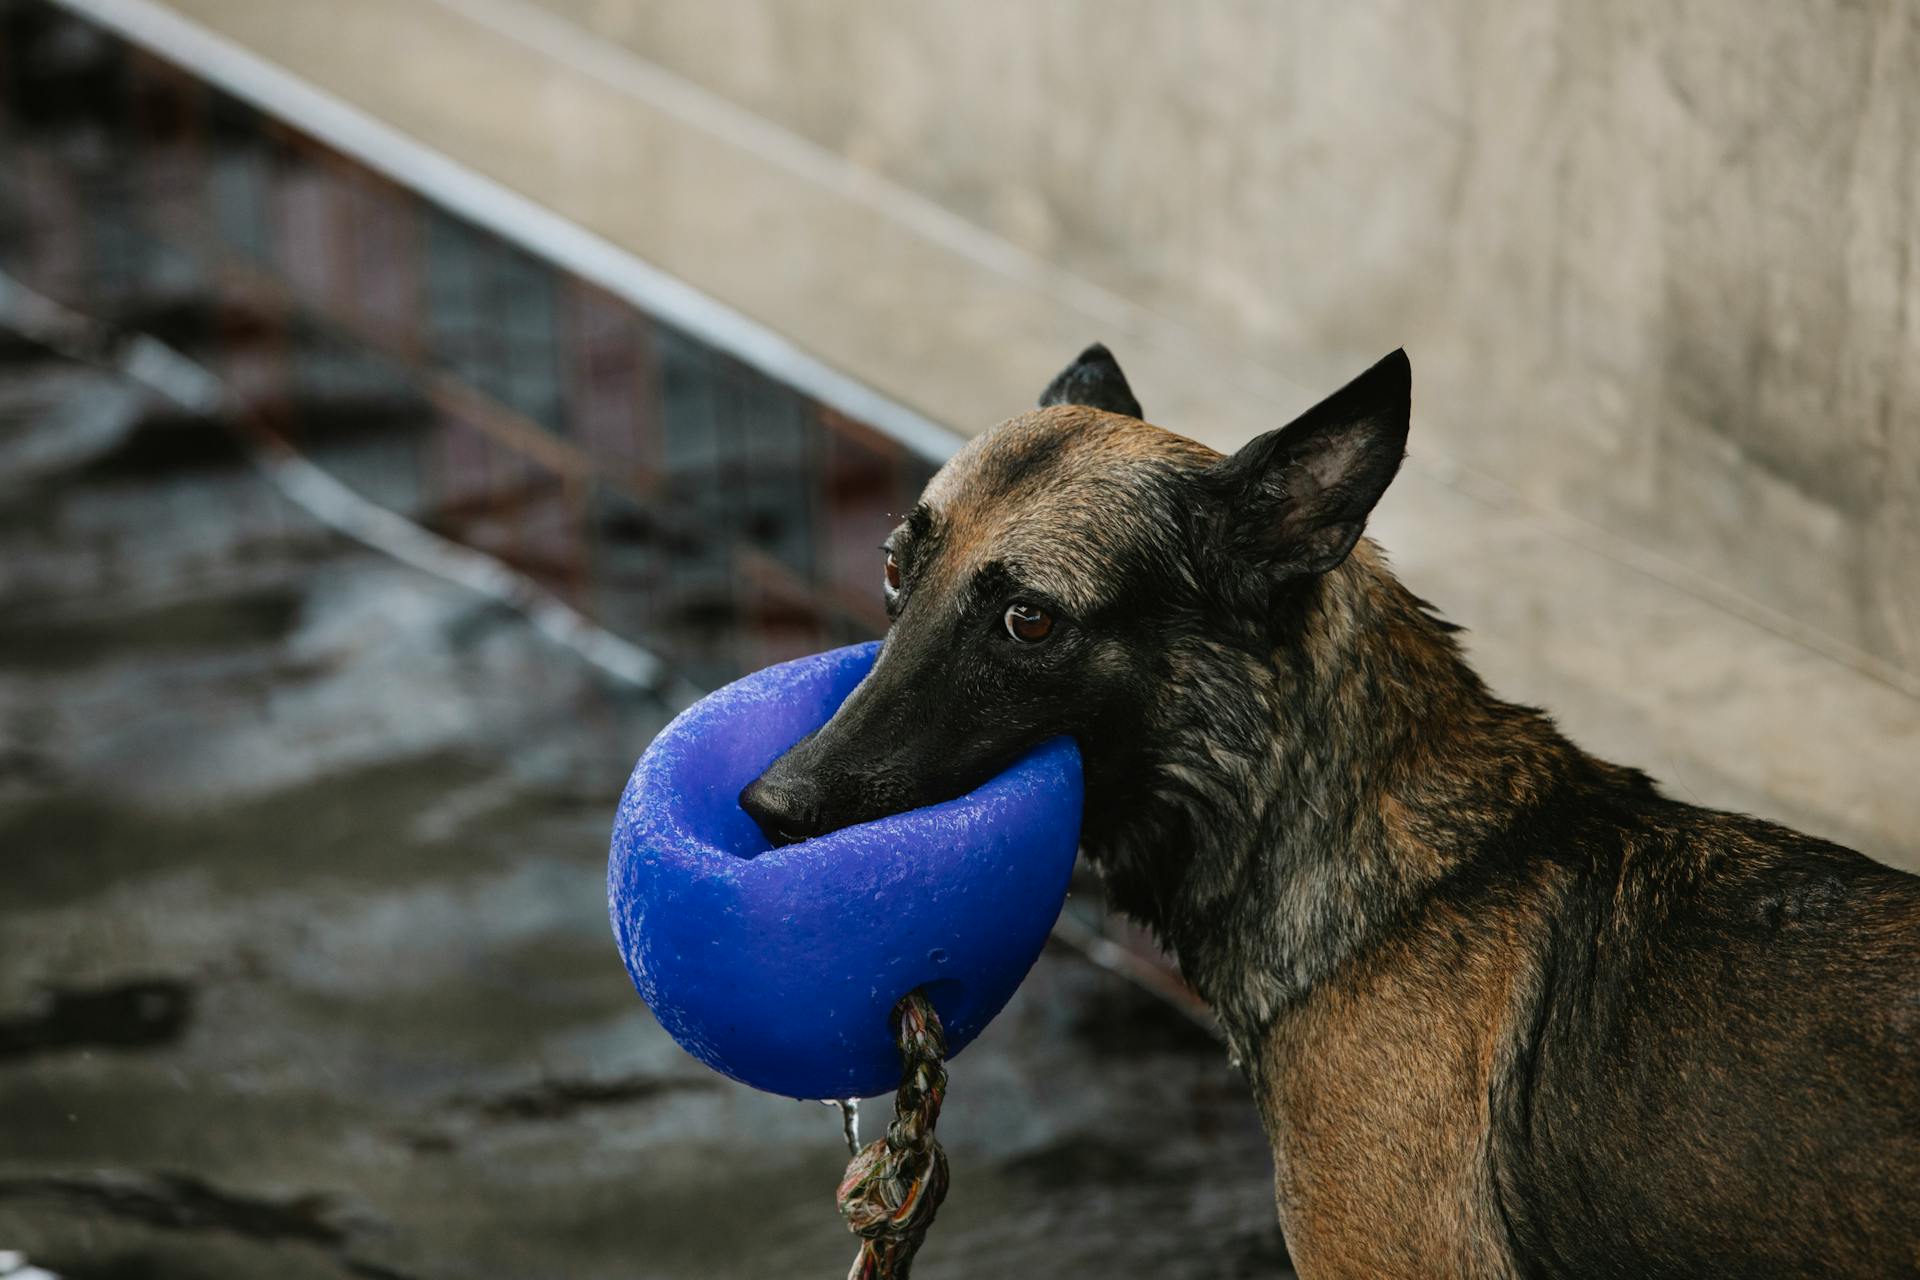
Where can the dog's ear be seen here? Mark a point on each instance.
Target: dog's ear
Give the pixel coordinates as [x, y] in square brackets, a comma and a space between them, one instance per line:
[1093, 379]
[1295, 500]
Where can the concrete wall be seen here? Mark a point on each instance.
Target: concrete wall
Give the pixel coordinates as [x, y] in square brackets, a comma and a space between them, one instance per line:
[1658, 266]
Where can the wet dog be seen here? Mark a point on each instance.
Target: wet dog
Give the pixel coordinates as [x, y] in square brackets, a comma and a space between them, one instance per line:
[1507, 1010]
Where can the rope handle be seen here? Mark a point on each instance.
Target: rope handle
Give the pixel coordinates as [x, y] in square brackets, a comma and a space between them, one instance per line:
[894, 1186]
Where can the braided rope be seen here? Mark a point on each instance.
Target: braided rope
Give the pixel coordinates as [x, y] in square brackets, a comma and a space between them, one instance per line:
[893, 1188]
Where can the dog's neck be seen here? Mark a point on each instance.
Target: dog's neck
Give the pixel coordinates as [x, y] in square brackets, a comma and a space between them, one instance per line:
[1304, 790]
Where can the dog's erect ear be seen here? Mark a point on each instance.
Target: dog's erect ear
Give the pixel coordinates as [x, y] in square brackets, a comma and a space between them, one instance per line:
[1093, 379]
[1296, 499]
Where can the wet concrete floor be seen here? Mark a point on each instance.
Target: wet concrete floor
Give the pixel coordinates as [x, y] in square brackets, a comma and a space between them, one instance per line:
[304, 960]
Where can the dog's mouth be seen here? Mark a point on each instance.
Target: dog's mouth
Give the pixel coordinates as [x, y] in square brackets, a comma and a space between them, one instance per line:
[793, 807]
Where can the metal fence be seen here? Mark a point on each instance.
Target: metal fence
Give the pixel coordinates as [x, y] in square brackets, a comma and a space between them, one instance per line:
[655, 482]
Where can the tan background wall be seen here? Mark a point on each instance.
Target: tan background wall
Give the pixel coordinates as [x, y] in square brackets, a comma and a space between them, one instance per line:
[1657, 264]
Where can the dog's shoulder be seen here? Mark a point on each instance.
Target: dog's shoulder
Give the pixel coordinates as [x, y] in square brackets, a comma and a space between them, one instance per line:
[1378, 1085]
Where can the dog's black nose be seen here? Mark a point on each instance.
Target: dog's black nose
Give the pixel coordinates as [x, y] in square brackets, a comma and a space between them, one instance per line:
[787, 811]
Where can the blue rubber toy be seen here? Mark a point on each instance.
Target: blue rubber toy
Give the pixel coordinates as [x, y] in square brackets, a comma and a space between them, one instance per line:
[781, 967]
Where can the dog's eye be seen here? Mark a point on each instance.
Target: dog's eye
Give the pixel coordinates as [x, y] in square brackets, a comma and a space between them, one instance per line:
[893, 573]
[1028, 623]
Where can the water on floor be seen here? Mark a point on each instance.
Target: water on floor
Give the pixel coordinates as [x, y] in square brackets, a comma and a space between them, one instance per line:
[307, 970]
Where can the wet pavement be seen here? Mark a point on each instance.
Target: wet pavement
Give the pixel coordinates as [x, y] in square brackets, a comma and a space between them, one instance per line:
[304, 960]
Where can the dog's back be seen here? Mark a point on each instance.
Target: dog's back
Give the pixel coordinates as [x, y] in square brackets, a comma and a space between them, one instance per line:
[1640, 1039]
[1723, 1076]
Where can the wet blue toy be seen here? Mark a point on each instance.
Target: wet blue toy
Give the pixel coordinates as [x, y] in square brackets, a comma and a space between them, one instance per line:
[781, 967]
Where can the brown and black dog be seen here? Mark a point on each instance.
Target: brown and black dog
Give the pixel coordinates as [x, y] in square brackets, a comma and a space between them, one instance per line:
[1506, 1008]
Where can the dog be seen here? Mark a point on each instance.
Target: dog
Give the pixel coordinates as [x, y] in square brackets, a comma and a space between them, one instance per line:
[1506, 1009]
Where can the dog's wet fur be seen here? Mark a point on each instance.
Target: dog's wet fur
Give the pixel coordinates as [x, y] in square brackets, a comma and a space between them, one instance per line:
[1507, 1009]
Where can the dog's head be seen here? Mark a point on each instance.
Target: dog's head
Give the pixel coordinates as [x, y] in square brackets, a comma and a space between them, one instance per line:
[1038, 586]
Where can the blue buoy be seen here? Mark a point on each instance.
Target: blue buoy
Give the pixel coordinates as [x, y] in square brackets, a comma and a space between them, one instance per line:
[781, 967]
